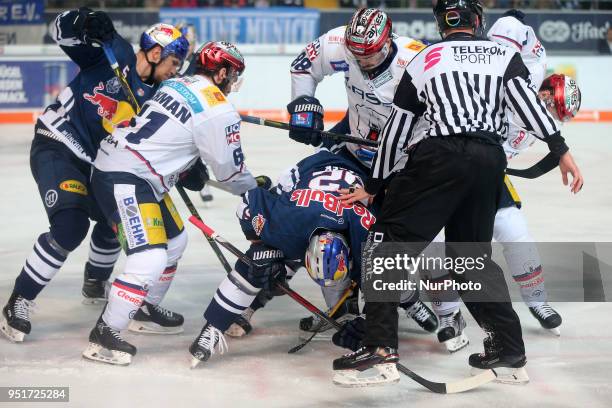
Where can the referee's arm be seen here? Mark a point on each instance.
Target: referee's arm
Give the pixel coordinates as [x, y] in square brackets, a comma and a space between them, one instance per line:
[523, 100]
[405, 112]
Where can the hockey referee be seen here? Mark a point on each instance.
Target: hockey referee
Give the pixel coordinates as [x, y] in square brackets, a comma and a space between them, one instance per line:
[448, 115]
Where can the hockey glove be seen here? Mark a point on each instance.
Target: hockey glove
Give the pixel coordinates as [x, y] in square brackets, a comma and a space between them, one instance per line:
[264, 182]
[195, 178]
[307, 113]
[93, 26]
[267, 268]
[352, 334]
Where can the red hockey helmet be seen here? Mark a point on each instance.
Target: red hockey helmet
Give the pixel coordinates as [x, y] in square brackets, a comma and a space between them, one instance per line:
[367, 32]
[219, 54]
[563, 97]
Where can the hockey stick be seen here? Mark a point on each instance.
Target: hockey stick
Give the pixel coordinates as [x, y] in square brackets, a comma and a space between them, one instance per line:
[286, 126]
[439, 388]
[330, 313]
[110, 56]
[546, 164]
[213, 244]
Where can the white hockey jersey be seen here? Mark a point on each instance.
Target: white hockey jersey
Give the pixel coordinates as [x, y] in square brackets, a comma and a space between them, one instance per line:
[511, 32]
[369, 99]
[186, 119]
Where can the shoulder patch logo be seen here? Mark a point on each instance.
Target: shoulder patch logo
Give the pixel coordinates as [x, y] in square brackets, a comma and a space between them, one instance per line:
[258, 223]
[73, 186]
[339, 65]
[213, 96]
[415, 45]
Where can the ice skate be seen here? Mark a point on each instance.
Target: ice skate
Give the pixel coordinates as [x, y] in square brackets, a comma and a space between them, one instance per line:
[423, 315]
[107, 346]
[15, 322]
[154, 319]
[94, 291]
[451, 332]
[547, 317]
[366, 367]
[509, 369]
[206, 194]
[204, 345]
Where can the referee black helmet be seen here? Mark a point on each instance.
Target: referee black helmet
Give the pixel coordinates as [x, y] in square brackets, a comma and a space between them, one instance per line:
[459, 14]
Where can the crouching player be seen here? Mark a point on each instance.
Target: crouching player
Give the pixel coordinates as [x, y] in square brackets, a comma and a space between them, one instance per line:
[300, 223]
[185, 121]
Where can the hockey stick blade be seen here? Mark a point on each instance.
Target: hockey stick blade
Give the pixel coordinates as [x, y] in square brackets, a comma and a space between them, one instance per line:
[347, 292]
[450, 387]
[546, 164]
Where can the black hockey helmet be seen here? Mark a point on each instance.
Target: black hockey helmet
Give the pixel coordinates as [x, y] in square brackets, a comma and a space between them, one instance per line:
[459, 14]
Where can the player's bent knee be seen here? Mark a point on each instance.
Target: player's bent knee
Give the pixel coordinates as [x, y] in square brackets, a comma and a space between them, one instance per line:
[144, 268]
[176, 247]
[69, 228]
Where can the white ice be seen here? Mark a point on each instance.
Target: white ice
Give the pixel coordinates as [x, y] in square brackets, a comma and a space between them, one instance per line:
[570, 371]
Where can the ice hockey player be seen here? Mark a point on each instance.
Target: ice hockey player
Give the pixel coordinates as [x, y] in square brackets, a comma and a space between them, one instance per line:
[66, 140]
[372, 60]
[322, 236]
[187, 119]
[562, 96]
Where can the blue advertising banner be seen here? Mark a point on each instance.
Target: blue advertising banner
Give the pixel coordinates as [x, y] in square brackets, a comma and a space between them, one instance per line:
[32, 84]
[275, 25]
[13, 12]
[575, 31]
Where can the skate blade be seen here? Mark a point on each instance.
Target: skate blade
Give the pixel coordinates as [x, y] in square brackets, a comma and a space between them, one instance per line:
[195, 363]
[457, 343]
[235, 330]
[506, 375]
[96, 352]
[386, 374]
[13, 335]
[153, 328]
[555, 331]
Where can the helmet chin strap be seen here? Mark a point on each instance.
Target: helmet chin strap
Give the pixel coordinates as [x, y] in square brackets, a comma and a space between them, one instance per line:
[153, 65]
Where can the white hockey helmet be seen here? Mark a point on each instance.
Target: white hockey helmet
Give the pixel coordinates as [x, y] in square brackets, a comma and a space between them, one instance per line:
[327, 258]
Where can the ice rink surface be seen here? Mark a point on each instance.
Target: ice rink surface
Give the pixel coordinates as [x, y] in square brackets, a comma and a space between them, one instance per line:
[570, 371]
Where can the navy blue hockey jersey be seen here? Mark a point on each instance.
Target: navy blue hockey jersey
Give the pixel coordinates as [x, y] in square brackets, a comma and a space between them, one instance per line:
[93, 103]
[306, 200]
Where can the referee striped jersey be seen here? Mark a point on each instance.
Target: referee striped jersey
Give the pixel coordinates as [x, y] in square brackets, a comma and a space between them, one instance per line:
[461, 86]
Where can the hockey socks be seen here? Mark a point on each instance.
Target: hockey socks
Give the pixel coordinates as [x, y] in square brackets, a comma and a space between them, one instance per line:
[232, 297]
[45, 260]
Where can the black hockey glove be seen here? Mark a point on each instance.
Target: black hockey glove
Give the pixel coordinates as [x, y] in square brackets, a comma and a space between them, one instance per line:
[267, 268]
[93, 26]
[195, 178]
[264, 181]
[306, 112]
[352, 334]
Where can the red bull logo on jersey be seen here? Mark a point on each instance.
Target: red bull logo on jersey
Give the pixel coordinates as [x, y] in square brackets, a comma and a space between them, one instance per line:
[114, 113]
[107, 106]
[303, 198]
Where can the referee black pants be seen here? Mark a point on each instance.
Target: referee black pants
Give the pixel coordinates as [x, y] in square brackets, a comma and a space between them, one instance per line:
[455, 183]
